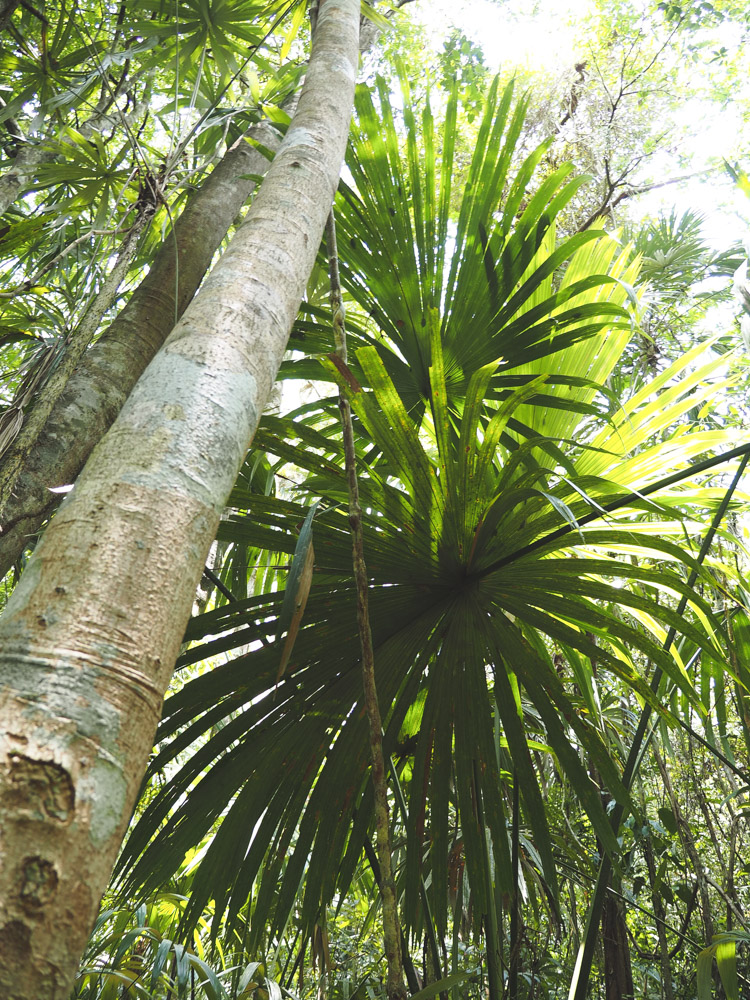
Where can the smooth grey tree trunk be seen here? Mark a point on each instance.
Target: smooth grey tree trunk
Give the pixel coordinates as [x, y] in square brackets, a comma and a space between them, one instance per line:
[91, 632]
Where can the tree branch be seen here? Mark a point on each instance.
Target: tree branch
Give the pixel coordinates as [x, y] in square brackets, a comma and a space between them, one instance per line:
[632, 190]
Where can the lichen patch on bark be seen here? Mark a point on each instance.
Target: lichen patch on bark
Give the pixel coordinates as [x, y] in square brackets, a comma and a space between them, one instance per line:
[39, 883]
[41, 789]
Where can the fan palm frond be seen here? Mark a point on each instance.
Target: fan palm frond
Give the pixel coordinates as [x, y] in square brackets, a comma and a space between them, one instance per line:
[493, 271]
[504, 526]
[467, 609]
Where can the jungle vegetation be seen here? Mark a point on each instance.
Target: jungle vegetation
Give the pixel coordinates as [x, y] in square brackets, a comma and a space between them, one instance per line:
[432, 526]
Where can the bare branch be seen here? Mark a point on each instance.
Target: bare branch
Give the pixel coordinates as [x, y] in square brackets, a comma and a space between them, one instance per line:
[632, 190]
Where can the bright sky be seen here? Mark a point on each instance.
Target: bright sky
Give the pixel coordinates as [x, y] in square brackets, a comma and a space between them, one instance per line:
[506, 33]
[534, 33]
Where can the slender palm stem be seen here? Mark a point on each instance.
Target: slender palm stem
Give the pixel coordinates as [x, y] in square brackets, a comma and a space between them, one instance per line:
[391, 929]
[409, 970]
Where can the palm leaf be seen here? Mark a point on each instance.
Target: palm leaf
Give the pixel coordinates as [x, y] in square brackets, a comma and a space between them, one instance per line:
[295, 770]
[496, 302]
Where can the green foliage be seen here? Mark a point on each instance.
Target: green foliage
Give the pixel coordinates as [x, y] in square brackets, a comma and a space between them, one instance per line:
[526, 542]
[462, 64]
[485, 474]
[675, 255]
[724, 951]
[132, 953]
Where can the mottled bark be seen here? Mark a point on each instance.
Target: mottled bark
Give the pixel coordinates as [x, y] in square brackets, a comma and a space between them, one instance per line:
[106, 375]
[91, 632]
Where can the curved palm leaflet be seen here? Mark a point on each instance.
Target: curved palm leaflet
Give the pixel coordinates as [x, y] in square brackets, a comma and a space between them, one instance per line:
[478, 361]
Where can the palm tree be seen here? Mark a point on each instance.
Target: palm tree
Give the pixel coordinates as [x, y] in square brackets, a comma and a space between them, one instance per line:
[513, 524]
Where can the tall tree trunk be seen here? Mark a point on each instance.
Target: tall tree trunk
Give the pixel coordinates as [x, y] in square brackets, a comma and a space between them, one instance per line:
[667, 988]
[90, 634]
[618, 970]
[618, 973]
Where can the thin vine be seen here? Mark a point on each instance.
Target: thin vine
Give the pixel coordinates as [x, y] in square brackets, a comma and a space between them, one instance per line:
[391, 930]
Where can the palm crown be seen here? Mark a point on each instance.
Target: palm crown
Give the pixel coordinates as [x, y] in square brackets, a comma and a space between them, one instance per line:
[506, 532]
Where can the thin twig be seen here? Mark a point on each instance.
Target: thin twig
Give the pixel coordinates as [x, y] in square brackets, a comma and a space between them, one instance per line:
[633, 191]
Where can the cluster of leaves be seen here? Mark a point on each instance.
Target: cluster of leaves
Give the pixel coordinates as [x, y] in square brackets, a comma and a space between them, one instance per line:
[134, 953]
[507, 533]
[688, 284]
[462, 62]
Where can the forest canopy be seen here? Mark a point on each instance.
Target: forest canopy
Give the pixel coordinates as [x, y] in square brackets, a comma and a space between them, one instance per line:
[373, 500]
